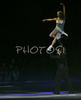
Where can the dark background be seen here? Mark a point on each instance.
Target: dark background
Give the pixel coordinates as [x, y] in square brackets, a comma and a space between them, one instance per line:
[21, 25]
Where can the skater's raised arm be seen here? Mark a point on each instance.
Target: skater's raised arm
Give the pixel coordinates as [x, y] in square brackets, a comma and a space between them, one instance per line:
[50, 19]
[64, 13]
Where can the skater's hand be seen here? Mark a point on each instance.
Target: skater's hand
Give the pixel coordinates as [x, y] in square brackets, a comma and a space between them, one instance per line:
[43, 20]
[62, 4]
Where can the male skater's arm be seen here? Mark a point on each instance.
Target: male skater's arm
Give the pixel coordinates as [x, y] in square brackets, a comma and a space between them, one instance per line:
[54, 56]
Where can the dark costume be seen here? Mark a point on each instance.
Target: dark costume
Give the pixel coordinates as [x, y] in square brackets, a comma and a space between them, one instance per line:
[62, 71]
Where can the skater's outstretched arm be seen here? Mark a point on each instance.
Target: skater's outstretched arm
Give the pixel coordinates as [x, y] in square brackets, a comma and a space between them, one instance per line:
[50, 19]
[64, 13]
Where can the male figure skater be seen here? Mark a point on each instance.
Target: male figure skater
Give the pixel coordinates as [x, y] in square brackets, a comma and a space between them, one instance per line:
[62, 71]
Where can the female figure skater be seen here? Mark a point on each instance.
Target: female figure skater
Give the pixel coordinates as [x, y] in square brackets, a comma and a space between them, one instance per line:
[59, 29]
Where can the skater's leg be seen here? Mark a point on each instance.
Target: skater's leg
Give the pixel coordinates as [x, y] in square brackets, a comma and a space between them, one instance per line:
[52, 34]
[66, 78]
[53, 42]
[58, 78]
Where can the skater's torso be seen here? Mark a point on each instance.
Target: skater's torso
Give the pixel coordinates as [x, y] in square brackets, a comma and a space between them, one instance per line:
[60, 24]
[61, 60]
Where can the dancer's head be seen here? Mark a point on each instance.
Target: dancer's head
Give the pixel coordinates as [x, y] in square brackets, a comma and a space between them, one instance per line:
[60, 14]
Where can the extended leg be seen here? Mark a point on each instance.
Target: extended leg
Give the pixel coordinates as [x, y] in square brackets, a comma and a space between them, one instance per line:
[53, 42]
